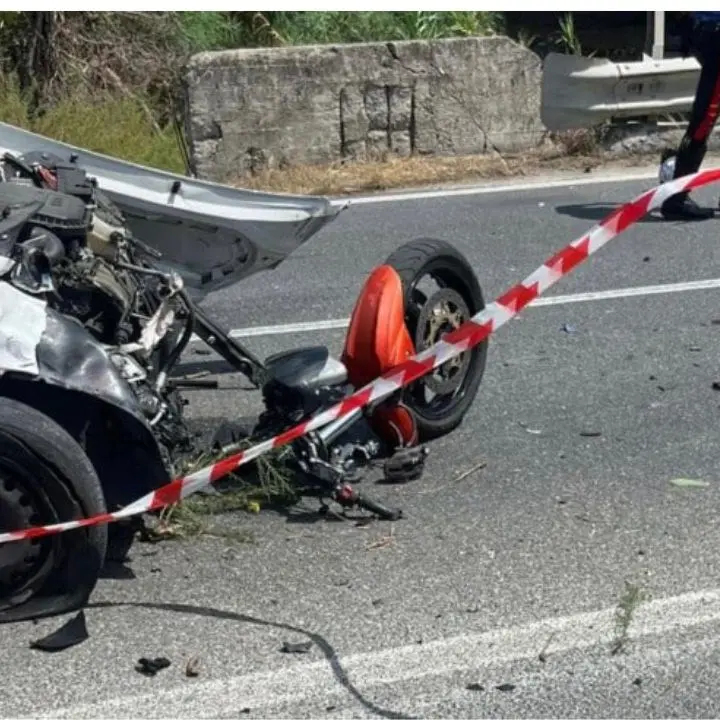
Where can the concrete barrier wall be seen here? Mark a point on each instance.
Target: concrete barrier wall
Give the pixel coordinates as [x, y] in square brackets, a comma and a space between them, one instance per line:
[252, 109]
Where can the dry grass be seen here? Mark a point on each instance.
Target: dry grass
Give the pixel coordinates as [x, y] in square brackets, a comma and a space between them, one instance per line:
[396, 173]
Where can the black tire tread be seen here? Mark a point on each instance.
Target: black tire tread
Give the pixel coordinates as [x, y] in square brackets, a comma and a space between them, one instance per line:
[407, 261]
[58, 449]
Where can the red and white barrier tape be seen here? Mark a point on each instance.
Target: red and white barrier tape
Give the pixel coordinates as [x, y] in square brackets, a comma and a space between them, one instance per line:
[468, 335]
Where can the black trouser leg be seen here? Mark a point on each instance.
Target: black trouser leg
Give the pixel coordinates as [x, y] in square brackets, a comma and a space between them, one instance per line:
[703, 116]
[705, 109]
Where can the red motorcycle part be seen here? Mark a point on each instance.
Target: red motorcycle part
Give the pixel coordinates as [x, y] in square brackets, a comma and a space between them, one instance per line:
[395, 425]
[48, 177]
[378, 340]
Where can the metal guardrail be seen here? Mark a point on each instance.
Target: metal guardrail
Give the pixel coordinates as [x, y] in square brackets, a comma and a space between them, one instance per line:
[582, 92]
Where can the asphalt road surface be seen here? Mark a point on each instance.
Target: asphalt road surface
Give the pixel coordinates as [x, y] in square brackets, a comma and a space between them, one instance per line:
[568, 577]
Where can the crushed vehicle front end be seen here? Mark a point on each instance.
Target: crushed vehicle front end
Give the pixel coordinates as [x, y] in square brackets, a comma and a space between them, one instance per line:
[72, 327]
[97, 304]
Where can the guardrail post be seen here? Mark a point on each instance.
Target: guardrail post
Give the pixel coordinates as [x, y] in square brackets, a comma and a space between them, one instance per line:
[655, 35]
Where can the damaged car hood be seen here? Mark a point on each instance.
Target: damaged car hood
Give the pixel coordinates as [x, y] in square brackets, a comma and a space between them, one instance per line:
[213, 235]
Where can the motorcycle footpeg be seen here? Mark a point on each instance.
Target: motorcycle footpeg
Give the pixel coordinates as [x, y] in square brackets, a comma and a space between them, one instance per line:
[405, 465]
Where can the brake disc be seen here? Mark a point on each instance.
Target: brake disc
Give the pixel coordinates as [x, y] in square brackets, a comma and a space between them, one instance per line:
[443, 312]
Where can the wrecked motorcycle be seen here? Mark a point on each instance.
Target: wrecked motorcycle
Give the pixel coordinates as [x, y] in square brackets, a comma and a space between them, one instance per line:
[99, 297]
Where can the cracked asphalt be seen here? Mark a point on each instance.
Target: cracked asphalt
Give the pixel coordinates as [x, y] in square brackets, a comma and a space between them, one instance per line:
[587, 413]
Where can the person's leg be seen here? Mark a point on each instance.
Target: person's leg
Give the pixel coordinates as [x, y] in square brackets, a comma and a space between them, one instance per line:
[704, 115]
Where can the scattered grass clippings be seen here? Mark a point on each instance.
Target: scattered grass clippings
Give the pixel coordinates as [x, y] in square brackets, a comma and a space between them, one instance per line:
[265, 481]
[629, 602]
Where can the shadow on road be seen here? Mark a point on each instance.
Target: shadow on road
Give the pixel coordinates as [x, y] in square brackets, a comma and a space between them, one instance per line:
[597, 211]
[327, 649]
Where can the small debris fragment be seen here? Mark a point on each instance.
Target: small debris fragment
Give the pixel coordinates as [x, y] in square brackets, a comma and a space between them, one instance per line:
[716, 385]
[569, 329]
[475, 687]
[542, 657]
[646, 258]
[245, 711]
[652, 377]
[202, 351]
[530, 430]
[192, 669]
[330, 708]
[590, 433]
[695, 348]
[377, 602]
[715, 321]
[365, 521]
[299, 647]
[145, 666]
[689, 483]
[505, 687]
[541, 204]
[637, 682]
[466, 473]
[381, 542]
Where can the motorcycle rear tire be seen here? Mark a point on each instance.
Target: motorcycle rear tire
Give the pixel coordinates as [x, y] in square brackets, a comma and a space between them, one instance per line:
[449, 267]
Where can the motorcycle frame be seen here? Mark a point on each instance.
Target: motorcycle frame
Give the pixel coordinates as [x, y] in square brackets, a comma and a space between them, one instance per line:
[229, 349]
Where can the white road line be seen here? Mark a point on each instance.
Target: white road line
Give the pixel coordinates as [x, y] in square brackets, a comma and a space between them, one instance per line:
[491, 188]
[289, 328]
[469, 652]
[665, 289]
[630, 292]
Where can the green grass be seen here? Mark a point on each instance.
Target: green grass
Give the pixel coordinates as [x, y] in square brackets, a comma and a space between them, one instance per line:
[632, 597]
[201, 31]
[303, 28]
[206, 31]
[114, 126]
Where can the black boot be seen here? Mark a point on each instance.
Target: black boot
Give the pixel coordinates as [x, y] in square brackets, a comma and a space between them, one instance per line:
[683, 207]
